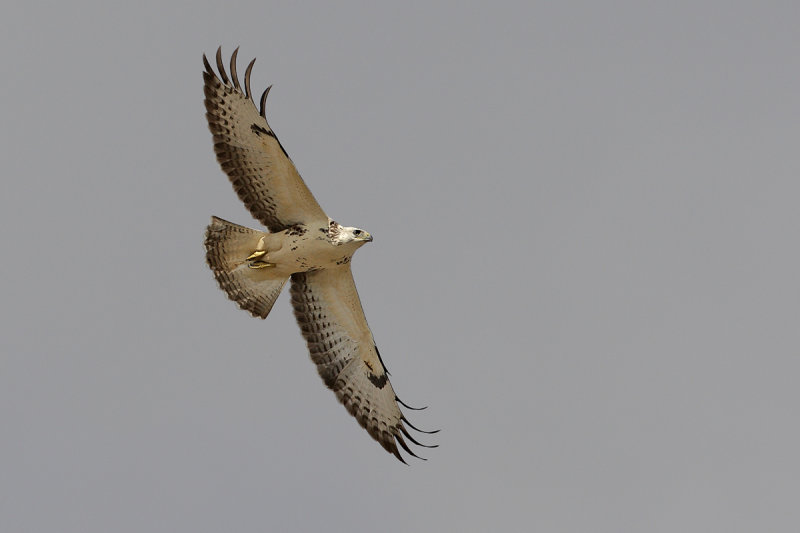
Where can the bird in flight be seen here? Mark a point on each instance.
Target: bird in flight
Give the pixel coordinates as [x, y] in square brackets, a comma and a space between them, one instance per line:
[303, 244]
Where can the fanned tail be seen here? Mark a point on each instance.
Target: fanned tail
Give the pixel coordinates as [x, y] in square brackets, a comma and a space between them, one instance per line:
[228, 247]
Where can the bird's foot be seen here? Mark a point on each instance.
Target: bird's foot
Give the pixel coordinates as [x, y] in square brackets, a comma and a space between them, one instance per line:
[256, 254]
[255, 258]
[260, 264]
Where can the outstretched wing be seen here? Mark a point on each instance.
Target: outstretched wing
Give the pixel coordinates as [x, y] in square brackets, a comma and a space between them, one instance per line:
[250, 154]
[332, 322]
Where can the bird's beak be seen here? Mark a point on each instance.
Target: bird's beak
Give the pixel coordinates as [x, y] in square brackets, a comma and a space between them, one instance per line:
[368, 237]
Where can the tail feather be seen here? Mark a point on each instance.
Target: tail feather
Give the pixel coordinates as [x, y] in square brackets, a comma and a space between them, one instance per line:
[227, 247]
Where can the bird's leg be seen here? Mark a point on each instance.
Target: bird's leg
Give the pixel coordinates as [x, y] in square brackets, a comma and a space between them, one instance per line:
[260, 264]
[255, 257]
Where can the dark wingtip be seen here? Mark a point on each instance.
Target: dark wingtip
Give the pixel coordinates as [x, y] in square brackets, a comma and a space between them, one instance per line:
[234, 77]
[221, 67]
[207, 65]
[404, 404]
[412, 426]
[412, 439]
[247, 72]
[263, 110]
[396, 453]
[399, 439]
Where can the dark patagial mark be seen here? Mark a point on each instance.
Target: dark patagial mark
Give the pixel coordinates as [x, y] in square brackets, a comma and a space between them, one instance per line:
[261, 130]
[378, 381]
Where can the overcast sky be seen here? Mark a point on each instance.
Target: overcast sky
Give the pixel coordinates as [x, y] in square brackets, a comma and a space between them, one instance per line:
[585, 262]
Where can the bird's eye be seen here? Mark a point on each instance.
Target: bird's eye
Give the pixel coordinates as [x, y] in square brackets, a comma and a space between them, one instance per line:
[357, 232]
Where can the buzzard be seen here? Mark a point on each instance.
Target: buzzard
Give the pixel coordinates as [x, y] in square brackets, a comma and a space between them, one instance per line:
[303, 244]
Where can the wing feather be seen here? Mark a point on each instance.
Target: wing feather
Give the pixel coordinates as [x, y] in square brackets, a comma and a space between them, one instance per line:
[251, 155]
[332, 321]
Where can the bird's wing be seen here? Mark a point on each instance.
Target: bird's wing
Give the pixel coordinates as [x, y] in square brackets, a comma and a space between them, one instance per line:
[340, 342]
[249, 152]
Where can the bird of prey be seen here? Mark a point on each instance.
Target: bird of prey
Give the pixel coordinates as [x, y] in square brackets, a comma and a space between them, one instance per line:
[303, 244]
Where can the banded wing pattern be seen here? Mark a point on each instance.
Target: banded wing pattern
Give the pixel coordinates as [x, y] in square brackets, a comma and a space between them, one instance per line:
[250, 153]
[331, 319]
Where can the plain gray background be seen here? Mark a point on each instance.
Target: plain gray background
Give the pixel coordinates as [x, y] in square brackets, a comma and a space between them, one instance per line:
[585, 262]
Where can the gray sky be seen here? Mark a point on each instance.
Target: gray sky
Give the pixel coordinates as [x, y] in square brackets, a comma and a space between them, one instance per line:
[585, 262]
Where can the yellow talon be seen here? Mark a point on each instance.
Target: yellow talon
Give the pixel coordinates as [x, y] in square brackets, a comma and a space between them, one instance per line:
[260, 250]
[256, 254]
[260, 264]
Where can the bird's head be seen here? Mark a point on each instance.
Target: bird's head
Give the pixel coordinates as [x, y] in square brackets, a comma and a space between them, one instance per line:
[357, 235]
[340, 235]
